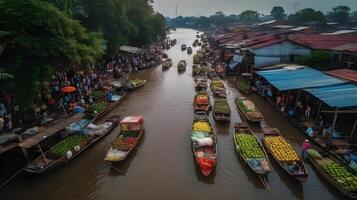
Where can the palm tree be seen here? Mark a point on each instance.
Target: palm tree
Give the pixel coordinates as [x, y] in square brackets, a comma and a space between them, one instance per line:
[72, 8]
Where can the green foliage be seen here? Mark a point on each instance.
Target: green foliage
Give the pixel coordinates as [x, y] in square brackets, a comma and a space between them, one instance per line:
[278, 12]
[318, 59]
[202, 22]
[43, 37]
[307, 15]
[249, 16]
[71, 7]
[340, 14]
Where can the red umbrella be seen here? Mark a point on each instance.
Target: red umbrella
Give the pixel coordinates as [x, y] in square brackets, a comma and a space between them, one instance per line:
[68, 89]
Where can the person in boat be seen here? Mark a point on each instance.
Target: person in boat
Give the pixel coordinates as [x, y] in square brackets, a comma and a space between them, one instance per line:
[305, 146]
[109, 96]
[294, 167]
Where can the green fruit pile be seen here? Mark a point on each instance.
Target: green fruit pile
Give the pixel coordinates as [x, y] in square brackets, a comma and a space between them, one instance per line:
[341, 174]
[67, 144]
[136, 82]
[221, 106]
[98, 107]
[249, 146]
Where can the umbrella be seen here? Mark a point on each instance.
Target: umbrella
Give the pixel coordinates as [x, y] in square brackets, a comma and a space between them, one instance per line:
[68, 89]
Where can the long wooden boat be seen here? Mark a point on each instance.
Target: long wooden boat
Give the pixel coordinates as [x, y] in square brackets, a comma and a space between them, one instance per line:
[253, 153]
[181, 66]
[134, 84]
[201, 102]
[167, 64]
[250, 114]
[201, 83]
[349, 192]
[132, 129]
[189, 50]
[205, 155]
[221, 110]
[284, 154]
[218, 89]
[70, 147]
[117, 98]
[220, 71]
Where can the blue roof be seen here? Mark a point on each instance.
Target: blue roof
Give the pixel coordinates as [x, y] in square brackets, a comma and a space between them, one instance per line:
[291, 78]
[340, 96]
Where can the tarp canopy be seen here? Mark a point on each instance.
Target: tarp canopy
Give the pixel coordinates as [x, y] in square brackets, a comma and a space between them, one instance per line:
[340, 96]
[298, 77]
[130, 49]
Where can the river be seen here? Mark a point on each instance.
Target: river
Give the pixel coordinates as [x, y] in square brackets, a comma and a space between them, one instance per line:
[163, 166]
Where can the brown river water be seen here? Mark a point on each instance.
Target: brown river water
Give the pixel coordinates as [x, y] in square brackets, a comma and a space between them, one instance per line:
[163, 166]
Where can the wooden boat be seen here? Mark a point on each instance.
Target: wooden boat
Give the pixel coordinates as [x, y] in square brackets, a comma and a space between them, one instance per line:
[195, 69]
[258, 162]
[97, 112]
[189, 50]
[248, 110]
[284, 153]
[221, 110]
[134, 84]
[132, 129]
[201, 83]
[183, 47]
[181, 66]
[70, 147]
[167, 64]
[205, 155]
[218, 89]
[220, 70]
[201, 102]
[338, 185]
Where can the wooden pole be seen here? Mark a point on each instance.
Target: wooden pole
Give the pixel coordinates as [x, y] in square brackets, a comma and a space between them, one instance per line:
[43, 155]
[353, 129]
[333, 127]
[318, 111]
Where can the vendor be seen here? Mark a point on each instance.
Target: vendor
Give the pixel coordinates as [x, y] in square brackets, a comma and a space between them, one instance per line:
[293, 168]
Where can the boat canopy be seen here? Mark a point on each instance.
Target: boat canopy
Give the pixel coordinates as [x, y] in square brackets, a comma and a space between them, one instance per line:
[340, 96]
[132, 120]
[36, 139]
[130, 49]
[298, 77]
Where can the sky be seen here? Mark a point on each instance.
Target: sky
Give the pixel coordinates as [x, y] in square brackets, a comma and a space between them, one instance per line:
[209, 7]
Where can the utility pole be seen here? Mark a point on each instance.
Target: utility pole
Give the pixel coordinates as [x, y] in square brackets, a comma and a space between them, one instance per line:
[176, 11]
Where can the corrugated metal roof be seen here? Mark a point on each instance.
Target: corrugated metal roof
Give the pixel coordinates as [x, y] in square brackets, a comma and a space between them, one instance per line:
[340, 96]
[298, 78]
[319, 41]
[346, 74]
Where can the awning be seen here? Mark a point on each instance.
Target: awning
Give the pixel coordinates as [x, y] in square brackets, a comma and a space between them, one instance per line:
[340, 96]
[130, 49]
[298, 77]
[52, 130]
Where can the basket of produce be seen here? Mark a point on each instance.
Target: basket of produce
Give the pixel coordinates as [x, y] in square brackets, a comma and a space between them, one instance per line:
[249, 146]
[68, 144]
[280, 149]
[124, 143]
[248, 109]
[221, 106]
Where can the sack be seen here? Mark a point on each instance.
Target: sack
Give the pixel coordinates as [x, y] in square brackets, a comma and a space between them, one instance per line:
[204, 142]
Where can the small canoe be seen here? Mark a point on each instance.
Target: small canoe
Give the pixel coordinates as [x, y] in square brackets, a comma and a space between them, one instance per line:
[189, 50]
[70, 147]
[248, 110]
[284, 154]
[204, 144]
[201, 102]
[181, 66]
[221, 110]
[217, 87]
[335, 173]
[133, 84]
[167, 64]
[250, 149]
[132, 129]
[183, 47]
[201, 83]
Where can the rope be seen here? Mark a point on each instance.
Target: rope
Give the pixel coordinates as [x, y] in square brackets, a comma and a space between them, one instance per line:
[13, 176]
[266, 185]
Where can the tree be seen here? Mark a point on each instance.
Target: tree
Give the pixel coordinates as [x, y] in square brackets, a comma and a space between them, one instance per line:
[318, 59]
[354, 15]
[278, 12]
[340, 14]
[42, 37]
[307, 15]
[72, 8]
[249, 16]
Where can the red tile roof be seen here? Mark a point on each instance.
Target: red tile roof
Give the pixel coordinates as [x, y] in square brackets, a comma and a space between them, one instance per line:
[326, 42]
[347, 74]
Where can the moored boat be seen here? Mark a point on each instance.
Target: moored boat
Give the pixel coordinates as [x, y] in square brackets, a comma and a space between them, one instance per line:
[201, 102]
[167, 64]
[70, 147]
[201, 83]
[204, 144]
[132, 129]
[217, 87]
[284, 154]
[250, 149]
[334, 172]
[221, 110]
[189, 50]
[135, 83]
[183, 47]
[248, 110]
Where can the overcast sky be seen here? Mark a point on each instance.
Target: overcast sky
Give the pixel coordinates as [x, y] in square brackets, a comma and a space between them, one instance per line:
[208, 7]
